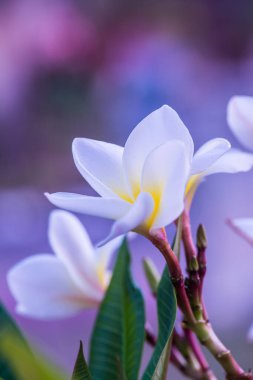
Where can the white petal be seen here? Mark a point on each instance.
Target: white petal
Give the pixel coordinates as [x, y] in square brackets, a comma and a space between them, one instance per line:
[165, 174]
[160, 126]
[100, 163]
[136, 216]
[43, 289]
[111, 208]
[233, 161]
[73, 247]
[240, 119]
[245, 226]
[250, 334]
[208, 153]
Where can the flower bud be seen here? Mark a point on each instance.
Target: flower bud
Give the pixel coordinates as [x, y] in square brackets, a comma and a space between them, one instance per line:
[201, 237]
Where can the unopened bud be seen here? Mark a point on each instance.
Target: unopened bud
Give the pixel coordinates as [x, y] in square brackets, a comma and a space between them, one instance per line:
[201, 237]
[193, 265]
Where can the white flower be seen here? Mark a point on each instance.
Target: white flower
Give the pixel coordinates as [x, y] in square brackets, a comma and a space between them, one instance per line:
[240, 119]
[47, 286]
[230, 161]
[142, 186]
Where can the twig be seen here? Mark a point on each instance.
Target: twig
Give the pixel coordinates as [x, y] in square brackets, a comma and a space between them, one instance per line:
[202, 245]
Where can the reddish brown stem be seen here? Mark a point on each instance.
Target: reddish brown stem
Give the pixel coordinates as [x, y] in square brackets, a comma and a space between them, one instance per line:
[193, 343]
[203, 330]
[160, 241]
[184, 368]
[189, 246]
[193, 280]
[202, 245]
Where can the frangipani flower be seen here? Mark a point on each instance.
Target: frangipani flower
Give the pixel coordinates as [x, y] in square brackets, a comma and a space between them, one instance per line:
[143, 185]
[47, 286]
[240, 119]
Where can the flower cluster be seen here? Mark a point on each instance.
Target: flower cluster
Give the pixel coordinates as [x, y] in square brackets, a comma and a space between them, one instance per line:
[240, 120]
[143, 186]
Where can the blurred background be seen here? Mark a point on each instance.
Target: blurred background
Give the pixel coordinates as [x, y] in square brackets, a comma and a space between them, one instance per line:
[73, 68]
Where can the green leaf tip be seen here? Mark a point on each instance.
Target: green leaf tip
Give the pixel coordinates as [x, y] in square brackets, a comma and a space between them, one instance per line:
[81, 370]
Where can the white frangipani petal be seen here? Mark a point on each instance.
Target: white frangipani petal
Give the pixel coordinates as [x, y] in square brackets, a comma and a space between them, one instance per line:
[160, 126]
[233, 161]
[162, 178]
[136, 216]
[208, 154]
[90, 157]
[44, 289]
[111, 208]
[47, 287]
[244, 226]
[240, 119]
[71, 244]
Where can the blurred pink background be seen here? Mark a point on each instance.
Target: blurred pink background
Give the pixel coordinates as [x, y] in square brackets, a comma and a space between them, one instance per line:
[94, 69]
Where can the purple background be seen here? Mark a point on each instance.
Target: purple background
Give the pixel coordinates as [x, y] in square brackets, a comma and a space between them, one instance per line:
[94, 69]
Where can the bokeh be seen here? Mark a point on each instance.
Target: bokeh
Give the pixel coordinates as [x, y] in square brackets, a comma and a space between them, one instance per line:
[74, 68]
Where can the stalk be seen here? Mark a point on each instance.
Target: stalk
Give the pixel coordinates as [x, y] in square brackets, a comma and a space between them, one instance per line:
[159, 239]
[200, 327]
[178, 359]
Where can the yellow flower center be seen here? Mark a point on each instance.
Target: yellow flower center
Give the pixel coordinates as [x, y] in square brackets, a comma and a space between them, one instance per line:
[191, 187]
[101, 272]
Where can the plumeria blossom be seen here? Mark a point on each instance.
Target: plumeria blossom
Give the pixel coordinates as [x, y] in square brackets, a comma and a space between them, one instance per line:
[240, 119]
[47, 286]
[145, 185]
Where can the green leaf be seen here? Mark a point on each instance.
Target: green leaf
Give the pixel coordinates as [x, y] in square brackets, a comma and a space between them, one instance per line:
[8, 327]
[81, 370]
[152, 274]
[167, 309]
[121, 373]
[27, 364]
[17, 360]
[119, 329]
